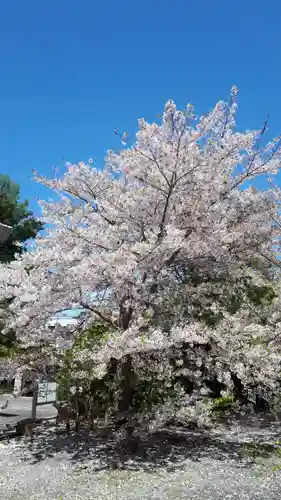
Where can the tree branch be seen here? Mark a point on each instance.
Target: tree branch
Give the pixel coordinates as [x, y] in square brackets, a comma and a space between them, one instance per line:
[99, 314]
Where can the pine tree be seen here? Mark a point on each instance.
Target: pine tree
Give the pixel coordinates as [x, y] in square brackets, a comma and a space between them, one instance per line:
[15, 213]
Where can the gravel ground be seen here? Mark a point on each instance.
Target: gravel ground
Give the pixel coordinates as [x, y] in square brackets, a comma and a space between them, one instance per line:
[240, 461]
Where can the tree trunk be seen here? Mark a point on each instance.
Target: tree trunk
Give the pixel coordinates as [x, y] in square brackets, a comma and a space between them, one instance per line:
[126, 375]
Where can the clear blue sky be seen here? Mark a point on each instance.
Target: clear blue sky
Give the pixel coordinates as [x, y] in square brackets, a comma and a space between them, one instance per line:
[72, 71]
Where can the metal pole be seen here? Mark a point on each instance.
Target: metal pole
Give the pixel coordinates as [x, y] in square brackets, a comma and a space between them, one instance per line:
[34, 401]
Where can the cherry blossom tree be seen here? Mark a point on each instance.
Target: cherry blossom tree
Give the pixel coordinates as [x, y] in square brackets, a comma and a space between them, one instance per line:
[164, 245]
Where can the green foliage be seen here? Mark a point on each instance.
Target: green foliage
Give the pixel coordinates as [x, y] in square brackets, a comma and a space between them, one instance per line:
[235, 302]
[92, 337]
[223, 404]
[15, 213]
[69, 365]
[229, 295]
[261, 295]
[147, 394]
[210, 318]
[7, 345]
[119, 381]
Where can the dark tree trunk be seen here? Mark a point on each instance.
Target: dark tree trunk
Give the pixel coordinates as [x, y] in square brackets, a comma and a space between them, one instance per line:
[126, 376]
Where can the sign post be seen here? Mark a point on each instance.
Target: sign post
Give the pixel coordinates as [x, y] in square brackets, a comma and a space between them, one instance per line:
[45, 392]
[34, 401]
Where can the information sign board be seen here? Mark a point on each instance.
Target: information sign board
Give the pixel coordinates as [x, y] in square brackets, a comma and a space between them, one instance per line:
[47, 392]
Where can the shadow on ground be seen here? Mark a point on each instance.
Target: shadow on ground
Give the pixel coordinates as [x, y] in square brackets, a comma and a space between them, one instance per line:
[168, 448]
[8, 415]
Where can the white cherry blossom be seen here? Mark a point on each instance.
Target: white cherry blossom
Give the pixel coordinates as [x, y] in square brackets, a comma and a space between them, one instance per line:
[118, 239]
